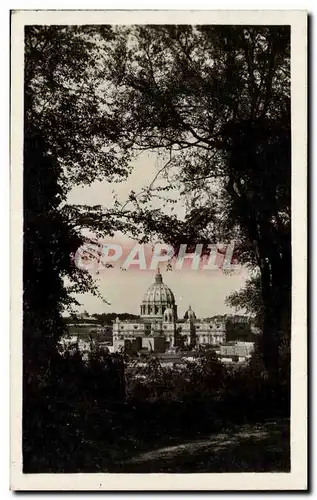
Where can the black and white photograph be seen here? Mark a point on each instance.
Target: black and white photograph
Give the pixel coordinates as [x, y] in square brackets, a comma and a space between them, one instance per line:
[162, 316]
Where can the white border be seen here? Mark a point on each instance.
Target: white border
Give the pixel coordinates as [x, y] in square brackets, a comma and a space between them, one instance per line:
[297, 478]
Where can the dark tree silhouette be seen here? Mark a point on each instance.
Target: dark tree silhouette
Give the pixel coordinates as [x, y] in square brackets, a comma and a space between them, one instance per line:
[215, 100]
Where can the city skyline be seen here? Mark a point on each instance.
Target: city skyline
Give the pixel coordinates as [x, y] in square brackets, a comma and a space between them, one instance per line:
[124, 291]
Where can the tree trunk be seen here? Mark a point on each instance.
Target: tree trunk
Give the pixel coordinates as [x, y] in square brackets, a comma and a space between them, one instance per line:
[276, 290]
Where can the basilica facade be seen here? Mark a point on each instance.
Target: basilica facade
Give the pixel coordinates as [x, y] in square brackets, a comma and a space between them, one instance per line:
[159, 329]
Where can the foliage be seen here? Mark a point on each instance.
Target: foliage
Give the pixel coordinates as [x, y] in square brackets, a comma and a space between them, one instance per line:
[62, 79]
[249, 299]
[63, 145]
[215, 101]
[212, 100]
[58, 414]
[239, 331]
[80, 422]
[99, 318]
[107, 318]
[67, 141]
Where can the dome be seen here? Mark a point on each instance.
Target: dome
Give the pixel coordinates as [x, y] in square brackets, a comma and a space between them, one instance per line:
[189, 314]
[158, 292]
[158, 298]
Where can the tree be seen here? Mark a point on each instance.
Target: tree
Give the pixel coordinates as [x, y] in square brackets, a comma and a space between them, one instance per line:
[215, 101]
[68, 140]
[107, 318]
[249, 299]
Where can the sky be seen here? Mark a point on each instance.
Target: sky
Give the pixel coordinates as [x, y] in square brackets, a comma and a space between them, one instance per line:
[205, 291]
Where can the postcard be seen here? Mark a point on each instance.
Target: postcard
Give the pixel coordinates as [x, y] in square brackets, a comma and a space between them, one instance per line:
[159, 250]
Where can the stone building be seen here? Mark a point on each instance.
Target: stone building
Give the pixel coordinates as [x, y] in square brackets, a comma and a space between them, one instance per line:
[159, 328]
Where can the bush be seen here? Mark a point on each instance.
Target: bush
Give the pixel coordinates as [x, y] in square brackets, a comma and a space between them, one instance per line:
[88, 412]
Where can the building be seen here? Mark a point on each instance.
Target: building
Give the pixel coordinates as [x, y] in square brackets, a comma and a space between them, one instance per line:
[237, 351]
[159, 329]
